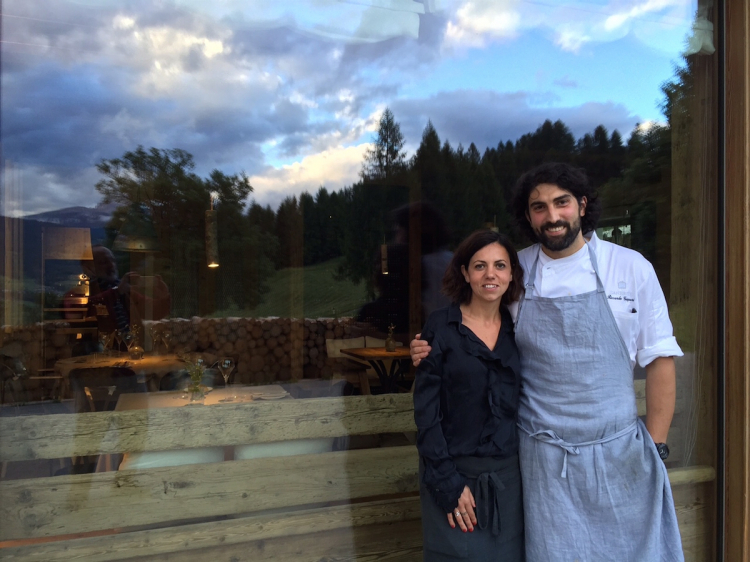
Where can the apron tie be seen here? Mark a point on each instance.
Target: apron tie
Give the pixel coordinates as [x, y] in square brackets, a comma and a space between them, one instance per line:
[488, 488]
[549, 436]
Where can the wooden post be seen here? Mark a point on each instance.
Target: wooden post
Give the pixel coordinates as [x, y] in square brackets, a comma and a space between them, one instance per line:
[737, 282]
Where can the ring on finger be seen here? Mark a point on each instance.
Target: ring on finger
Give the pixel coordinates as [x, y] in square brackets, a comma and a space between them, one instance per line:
[463, 512]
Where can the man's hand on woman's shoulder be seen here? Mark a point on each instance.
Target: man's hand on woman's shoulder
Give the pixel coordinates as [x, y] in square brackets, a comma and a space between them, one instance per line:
[419, 350]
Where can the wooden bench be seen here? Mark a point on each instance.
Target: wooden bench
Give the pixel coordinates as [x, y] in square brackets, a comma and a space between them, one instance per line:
[343, 505]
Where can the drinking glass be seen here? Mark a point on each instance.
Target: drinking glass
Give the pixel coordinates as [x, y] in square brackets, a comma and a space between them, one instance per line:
[117, 339]
[226, 366]
[166, 338]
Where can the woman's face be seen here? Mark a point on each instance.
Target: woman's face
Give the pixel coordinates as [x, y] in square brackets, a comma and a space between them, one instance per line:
[489, 273]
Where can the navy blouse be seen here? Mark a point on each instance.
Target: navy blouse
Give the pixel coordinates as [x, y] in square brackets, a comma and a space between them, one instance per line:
[465, 400]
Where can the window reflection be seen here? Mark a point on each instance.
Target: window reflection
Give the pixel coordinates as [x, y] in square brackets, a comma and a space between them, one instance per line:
[341, 151]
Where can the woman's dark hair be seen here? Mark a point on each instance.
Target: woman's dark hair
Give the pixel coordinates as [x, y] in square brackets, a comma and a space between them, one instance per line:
[455, 286]
[566, 177]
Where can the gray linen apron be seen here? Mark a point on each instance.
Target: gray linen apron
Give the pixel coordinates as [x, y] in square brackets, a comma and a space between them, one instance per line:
[498, 537]
[594, 487]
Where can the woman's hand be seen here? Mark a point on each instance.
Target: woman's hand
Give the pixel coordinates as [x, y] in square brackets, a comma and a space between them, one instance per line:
[464, 515]
[419, 350]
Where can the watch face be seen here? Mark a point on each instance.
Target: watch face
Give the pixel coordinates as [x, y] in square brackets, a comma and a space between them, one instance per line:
[663, 451]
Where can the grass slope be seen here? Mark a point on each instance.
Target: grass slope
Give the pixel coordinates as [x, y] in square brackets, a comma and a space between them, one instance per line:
[312, 292]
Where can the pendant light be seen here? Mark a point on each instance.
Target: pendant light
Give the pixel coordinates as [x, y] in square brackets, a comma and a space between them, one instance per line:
[212, 235]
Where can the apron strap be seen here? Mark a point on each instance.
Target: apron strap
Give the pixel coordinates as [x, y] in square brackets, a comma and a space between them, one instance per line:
[529, 286]
[549, 436]
[489, 485]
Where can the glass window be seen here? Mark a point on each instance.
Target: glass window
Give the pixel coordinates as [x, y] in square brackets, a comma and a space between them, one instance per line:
[224, 222]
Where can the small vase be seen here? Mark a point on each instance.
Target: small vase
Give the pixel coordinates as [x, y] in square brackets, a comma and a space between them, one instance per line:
[196, 396]
[390, 345]
[136, 352]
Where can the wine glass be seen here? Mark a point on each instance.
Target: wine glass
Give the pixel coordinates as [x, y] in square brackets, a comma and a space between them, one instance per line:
[117, 339]
[226, 366]
[166, 338]
[128, 338]
[155, 331]
[106, 340]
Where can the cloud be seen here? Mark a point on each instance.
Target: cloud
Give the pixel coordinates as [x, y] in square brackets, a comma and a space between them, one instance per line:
[565, 82]
[475, 23]
[334, 168]
[487, 118]
[260, 87]
[44, 189]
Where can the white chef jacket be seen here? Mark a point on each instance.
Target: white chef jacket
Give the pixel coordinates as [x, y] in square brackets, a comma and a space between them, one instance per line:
[632, 289]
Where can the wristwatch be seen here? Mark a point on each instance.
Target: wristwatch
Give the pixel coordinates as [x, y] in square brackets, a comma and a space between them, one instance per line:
[663, 451]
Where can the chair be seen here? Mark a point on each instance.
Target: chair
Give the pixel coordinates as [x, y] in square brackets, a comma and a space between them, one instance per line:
[355, 372]
[97, 389]
[101, 398]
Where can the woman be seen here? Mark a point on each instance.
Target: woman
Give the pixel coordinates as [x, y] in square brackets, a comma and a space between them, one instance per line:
[465, 406]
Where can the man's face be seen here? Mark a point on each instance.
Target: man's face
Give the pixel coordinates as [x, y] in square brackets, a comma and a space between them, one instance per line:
[555, 216]
[104, 264]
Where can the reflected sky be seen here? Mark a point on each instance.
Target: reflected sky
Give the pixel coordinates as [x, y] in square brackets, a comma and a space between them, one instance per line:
[291, 92]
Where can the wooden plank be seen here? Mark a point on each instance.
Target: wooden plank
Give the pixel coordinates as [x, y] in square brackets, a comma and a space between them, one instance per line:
[82, 503]
[689, 488]
[695, 507]
[153, 543]
[74, 435]
[691, 475]
[396, 542]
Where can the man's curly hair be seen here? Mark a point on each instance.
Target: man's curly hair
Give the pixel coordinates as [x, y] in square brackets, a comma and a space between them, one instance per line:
[566, 177]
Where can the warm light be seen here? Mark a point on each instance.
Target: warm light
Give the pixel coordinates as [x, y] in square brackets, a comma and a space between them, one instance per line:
[384, 259]
[212, 242]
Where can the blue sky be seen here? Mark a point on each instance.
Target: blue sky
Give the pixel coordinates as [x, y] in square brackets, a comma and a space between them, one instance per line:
[291, 92]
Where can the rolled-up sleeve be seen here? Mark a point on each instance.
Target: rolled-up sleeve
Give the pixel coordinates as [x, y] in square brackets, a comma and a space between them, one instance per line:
[440, 475]
[655, 336]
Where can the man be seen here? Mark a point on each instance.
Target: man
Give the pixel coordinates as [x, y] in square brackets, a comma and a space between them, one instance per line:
[125, 304]
[595, 486]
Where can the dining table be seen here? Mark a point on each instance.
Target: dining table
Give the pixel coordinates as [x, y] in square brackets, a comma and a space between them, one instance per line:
[390, 375]
[215, 398]
[149, 369]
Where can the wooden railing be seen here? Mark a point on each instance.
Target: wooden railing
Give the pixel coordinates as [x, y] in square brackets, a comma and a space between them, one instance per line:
[344, 505]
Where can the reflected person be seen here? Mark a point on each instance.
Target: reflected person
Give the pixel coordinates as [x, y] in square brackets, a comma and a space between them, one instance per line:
[124, 298]
[465, 407]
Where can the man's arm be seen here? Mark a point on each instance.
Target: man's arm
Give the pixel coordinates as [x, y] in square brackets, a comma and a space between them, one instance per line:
[660, 397]
[419, 349]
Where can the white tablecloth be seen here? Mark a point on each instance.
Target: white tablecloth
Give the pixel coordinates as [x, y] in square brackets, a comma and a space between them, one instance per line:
[154, 459]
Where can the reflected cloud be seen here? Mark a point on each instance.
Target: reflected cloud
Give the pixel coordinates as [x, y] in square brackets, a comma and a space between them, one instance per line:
[477, 21]
[334, 169]
[289, 92]
[474, 23]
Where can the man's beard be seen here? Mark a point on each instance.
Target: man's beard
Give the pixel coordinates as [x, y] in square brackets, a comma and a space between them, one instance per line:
[558, 244]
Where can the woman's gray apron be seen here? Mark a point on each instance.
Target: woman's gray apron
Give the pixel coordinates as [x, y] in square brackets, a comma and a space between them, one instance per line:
[498, 536]
[594, 486]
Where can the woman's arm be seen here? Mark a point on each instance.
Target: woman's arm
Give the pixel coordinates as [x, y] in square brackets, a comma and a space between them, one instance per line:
[440, 474]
